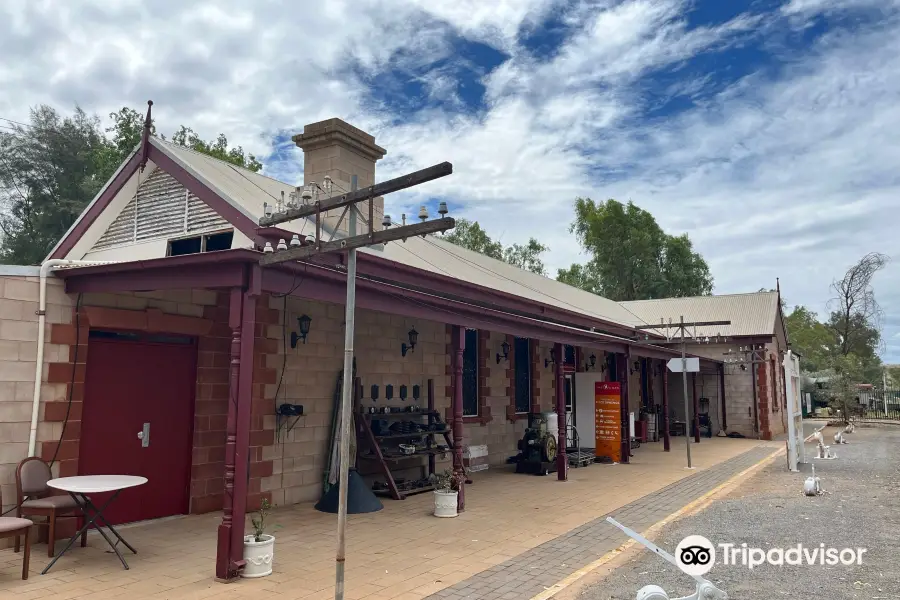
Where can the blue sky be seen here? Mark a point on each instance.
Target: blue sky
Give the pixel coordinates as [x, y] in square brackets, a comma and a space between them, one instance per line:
[765, 129]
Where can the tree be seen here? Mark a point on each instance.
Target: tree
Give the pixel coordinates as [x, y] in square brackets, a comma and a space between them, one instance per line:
[51, 168]
[470, 235]
[843, 384]
[49, 171]
[856, 316]
[527, 257]
[580, 276]
[632, 258]
[217, 149]
[809, 338]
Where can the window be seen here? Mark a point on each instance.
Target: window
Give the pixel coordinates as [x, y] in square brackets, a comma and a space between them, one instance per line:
[569, 355]
[470, 374]
[210, 242]
[612, 373]
[522, 349]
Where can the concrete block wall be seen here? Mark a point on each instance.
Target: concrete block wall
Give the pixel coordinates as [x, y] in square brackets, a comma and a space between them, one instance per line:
[19, 287]
[310, 376]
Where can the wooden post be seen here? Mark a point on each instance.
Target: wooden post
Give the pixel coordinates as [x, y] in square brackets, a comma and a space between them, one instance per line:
[230, 540]
[562, 462]
[459, 346]
[667, 442]
[696, 408]
[722, 397]
[622, 368]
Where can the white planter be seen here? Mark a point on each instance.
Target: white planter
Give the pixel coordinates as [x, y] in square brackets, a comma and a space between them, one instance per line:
[445, 504]
[259, 556]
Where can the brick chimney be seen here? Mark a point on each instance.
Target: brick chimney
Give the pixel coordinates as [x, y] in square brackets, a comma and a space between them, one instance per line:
[335, 148]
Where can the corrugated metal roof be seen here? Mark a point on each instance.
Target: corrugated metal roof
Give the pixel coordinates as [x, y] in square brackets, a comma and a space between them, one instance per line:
[750, 314]
[247, 191]
[439, 256]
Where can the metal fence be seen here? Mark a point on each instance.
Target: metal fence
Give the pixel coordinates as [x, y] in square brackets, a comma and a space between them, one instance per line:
[872, 406]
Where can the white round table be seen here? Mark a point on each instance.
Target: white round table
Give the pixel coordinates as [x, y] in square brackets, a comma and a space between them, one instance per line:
[79, 487]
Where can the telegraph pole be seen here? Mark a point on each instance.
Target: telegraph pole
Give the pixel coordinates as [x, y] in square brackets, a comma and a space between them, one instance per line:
[305, 249]
[682, 329]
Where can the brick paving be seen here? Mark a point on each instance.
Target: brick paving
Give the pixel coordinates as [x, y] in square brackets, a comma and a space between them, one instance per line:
[529, 573]
[399, 553]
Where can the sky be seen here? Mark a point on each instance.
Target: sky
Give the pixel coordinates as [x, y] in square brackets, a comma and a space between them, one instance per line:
[765, 129]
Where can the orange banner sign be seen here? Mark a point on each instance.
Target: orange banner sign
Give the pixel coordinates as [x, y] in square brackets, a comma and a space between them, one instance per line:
[608, 420]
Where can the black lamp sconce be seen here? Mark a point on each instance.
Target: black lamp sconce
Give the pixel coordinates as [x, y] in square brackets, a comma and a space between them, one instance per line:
[403, 393]
[417, 392]
[303, 322]
[635, 367]
[552, 359]
[592, 362]
[388, 392]
[374, 393]
[504, 352]
[413, 338]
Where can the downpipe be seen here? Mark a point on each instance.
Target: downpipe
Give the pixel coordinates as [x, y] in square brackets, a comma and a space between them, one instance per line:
[42, 323]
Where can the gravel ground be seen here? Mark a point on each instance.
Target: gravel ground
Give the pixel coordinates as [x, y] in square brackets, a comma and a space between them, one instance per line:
[861, 509]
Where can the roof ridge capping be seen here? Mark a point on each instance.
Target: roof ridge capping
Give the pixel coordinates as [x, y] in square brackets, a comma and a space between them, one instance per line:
[710, 296]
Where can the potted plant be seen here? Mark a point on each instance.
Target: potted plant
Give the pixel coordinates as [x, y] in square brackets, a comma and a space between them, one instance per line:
[446, 490]
[259, 546]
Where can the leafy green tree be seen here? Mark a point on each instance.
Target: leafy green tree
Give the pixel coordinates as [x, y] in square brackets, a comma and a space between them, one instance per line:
[527, 257]
[470, 235]
[580, 276]
[843, 384]
[809, 338]
[217, 149]
[49, 171]
[51, 168]
[632, 258]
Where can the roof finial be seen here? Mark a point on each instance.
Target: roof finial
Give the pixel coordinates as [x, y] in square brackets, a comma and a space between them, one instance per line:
[145, 137]
[778, 285]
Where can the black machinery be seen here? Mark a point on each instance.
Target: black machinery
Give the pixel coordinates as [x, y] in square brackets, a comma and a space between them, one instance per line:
[537, 448]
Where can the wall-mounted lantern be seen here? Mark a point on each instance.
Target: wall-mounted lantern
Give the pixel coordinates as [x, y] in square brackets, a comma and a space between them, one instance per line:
[303, 323]
[374, 393]
[592, 362]
[635, 367]
[388, 392]
[504, 352]
[403, 392]
[417, 392]
[552, 359]
[413, 338]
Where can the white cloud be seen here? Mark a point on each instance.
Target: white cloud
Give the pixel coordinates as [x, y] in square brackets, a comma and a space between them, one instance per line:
[790, 176]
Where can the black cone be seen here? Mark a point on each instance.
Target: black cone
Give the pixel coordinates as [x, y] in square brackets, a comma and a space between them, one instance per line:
[360, 498]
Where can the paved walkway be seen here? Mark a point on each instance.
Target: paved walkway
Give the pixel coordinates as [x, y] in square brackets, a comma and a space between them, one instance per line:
[399, 553]
[530, 573]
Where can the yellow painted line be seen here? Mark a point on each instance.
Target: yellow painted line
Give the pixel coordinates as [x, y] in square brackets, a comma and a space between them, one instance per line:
[690, 508]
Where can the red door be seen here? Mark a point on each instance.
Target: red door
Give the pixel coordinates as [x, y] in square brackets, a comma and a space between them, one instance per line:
[144, 385]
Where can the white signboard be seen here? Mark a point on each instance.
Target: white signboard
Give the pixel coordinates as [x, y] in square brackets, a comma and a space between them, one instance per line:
[692, 364]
